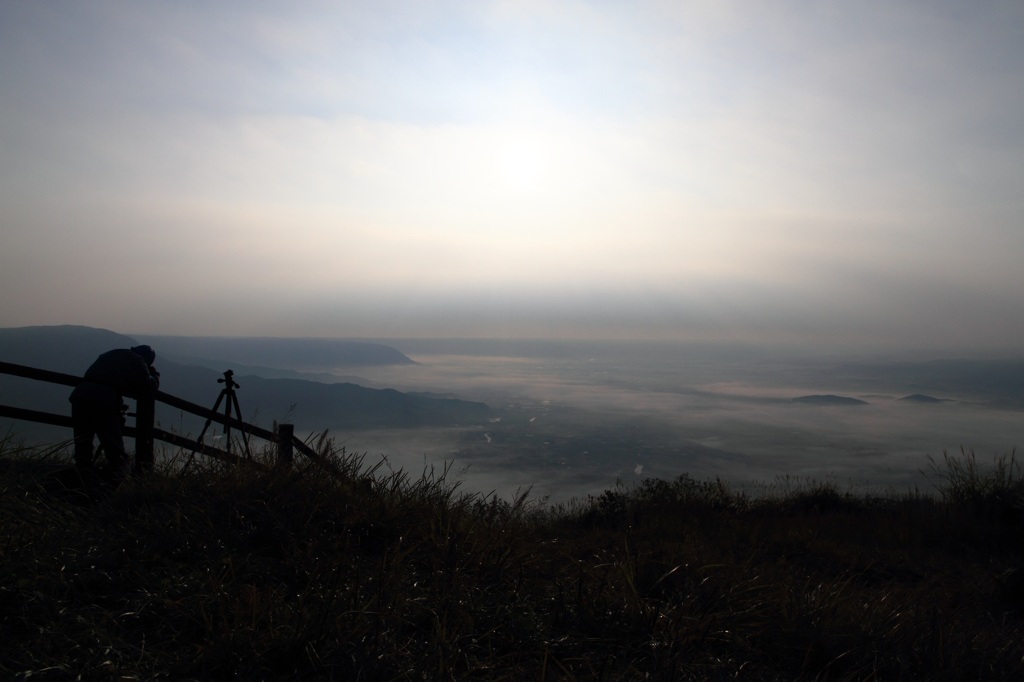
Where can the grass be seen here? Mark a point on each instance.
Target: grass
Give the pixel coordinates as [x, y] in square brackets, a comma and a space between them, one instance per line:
[995, 491]
[262, 573]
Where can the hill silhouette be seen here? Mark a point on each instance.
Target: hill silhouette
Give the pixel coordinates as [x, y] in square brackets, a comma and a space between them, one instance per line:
[308, 404]
[304, 354]
[829, 399]
[922, 398]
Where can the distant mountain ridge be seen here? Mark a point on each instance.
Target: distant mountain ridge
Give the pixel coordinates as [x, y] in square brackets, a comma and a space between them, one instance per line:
[310, 405]
[922, 398]
[994, 382]
[299, 354]
[63, 348]
[829, 399]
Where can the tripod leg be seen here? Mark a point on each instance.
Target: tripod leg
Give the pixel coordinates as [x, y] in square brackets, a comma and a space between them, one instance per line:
[202, 433]
[227, 416]
[210, 419]
[245, 437]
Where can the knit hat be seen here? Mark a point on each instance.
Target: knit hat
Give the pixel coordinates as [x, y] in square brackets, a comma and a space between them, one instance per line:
[145, 352]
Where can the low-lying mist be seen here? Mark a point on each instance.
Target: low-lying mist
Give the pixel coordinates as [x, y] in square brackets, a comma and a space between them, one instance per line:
[572, 421]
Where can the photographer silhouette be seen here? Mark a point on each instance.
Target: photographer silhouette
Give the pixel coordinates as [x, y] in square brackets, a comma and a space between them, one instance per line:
[96, 404]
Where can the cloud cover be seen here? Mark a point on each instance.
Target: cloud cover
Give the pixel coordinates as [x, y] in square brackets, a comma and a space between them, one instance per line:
[765, 171]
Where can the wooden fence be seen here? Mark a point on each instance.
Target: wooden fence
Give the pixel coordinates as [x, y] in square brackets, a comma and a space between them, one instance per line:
[146, 432]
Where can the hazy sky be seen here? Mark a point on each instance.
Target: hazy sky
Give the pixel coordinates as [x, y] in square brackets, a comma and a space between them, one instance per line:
[765, 171]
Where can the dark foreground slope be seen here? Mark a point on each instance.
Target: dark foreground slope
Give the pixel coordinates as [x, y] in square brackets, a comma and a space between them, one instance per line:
[380, 576]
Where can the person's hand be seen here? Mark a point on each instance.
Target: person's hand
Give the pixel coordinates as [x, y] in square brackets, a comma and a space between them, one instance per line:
[153, 372]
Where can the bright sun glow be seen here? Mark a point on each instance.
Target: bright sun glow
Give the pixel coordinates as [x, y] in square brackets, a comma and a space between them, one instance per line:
[521, 165]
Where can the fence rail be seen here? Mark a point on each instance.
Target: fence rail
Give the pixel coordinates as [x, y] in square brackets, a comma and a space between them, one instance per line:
[145, 431]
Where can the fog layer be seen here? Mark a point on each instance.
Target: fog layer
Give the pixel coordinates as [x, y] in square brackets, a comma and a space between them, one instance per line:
[573, 421]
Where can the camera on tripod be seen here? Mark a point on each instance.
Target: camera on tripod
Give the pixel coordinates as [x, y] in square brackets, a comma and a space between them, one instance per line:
[230, 399]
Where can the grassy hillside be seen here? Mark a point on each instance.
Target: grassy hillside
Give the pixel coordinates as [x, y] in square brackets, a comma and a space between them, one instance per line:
[378, 575]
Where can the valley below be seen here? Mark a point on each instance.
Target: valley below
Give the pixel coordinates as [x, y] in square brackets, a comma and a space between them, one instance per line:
[569, 424]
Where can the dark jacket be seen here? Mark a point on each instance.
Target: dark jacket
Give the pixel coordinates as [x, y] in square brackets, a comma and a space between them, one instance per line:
[114, 373]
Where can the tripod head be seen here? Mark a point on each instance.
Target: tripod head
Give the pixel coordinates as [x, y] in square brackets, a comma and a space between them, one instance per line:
[228, 380]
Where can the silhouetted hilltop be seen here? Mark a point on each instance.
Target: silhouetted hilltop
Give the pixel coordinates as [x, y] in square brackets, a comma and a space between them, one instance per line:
[62, 348]
[995, 382]
[308, 404]
[828, 400]
[68, 349]
[302, 354]
[349, 406]
[922, 398]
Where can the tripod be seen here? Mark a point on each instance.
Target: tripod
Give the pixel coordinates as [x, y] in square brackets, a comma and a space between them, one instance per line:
[230, 400]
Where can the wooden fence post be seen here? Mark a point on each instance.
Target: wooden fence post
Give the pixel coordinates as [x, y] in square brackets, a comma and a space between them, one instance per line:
[285, 432]
[145, 415]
